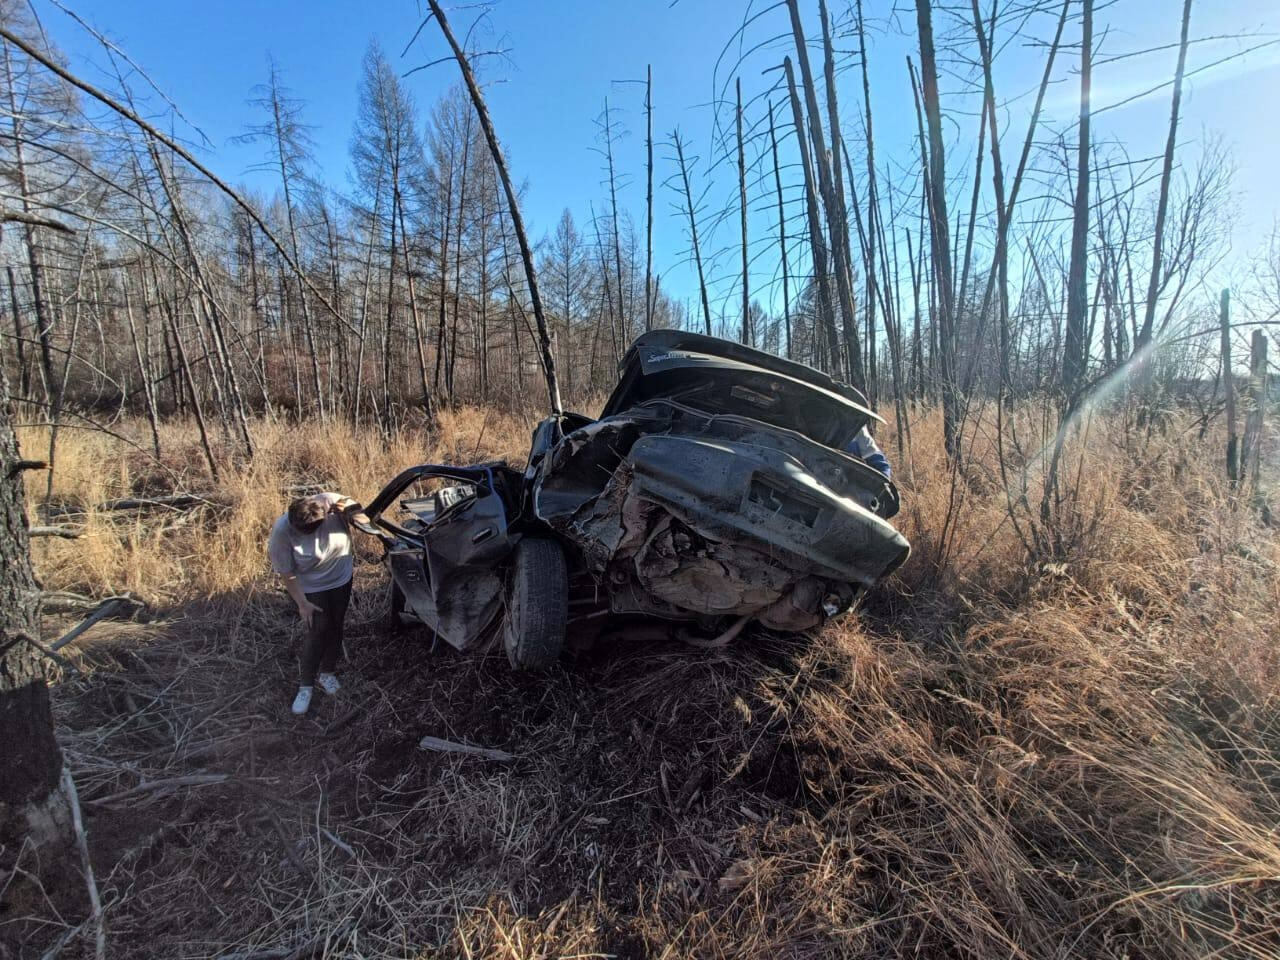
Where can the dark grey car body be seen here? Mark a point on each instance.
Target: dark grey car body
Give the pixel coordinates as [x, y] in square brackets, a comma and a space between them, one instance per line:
[713, 487]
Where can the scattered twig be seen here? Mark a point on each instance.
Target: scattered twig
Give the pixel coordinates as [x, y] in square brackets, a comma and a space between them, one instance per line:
[452, 746]
[306, 949]
[342, 721]
[289, 852]
[63, 939]
[341, 845]
[172, 783]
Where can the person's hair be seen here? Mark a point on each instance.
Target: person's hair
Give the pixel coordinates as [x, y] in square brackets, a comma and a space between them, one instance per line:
[306, 512]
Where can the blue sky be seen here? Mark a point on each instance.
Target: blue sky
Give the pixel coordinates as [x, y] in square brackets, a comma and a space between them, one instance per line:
[565, 58]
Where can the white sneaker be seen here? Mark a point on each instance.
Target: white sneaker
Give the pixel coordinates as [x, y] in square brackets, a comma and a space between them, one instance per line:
[302, 701]
[328, 683]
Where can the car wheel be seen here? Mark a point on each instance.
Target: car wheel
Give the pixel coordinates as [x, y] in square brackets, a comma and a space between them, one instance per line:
[537, 605]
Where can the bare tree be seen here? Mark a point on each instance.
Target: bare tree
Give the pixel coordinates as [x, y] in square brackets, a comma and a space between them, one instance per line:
[690, 208]
[1166, 173]
[1075, 347]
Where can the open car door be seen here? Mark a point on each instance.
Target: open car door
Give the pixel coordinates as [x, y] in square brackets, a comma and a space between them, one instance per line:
[445, 549]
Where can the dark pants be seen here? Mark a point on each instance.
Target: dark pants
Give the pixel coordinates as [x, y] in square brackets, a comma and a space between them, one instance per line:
[322, 645]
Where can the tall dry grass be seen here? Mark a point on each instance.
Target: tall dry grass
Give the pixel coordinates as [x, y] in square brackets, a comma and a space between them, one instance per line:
[174, 557]
[1004, 755]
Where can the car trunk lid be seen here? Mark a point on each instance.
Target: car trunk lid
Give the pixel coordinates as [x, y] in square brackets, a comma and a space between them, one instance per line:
[721, 377]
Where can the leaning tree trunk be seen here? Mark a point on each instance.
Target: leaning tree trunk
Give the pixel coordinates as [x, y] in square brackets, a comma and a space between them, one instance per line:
[513, 207]
[32, 808]
[693, 230]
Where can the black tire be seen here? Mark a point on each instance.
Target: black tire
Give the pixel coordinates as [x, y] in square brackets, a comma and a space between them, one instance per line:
[394, 624]
[537, 605]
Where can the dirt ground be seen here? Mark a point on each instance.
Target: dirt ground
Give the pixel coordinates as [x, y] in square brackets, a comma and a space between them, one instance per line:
[221, 825]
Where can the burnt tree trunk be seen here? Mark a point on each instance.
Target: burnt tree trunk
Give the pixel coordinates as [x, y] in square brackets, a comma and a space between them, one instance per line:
[936, 189]
[1075, 355]
[782, 232]
[513, 207]
[693, 230]
[1233, 438]
[648, 201]
[32, 809]
[742, 212]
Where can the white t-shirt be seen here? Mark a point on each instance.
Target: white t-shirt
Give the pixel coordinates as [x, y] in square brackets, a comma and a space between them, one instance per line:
[321, 560]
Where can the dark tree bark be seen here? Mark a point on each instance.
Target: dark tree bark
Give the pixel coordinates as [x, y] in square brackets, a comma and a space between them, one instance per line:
[1251, 449]
[1229, 390]
[31, 806]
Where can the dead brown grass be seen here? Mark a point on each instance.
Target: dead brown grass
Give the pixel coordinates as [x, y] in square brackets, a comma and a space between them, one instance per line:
[998, 758]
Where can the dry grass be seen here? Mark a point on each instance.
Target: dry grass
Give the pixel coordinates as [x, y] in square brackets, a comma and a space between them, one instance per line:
[998, 758]
[181, 558]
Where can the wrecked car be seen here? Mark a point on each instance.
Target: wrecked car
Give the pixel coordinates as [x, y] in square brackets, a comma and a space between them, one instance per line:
[712, 490]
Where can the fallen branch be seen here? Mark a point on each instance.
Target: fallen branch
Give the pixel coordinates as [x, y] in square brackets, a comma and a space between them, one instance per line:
[339, 843]
[342, 721]
[82, 843]
[289, 851]
[192, 780]
[64, 601]
[105, 609]
[66, 533]
[452, 746]
[177, 501]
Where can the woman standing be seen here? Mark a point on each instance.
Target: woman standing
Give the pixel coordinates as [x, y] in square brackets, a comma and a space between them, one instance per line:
[310, 548]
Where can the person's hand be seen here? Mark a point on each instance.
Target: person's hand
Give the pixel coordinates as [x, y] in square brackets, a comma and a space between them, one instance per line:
[307, 610]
